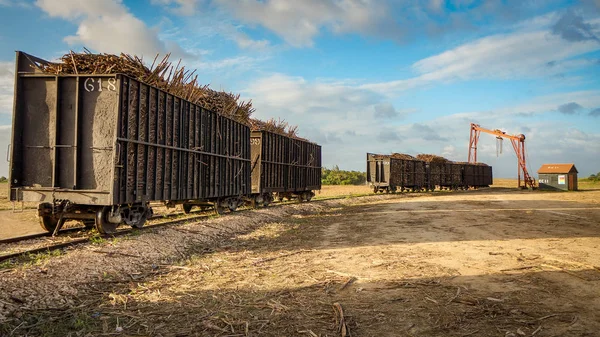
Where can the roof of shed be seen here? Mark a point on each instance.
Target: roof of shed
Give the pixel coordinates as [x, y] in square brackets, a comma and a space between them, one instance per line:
[557, 168]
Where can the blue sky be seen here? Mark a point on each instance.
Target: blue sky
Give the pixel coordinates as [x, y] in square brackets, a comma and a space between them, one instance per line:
[359, 76]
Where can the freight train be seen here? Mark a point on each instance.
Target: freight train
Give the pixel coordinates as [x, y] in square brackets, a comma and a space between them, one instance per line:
[388, 173]
[100, 148]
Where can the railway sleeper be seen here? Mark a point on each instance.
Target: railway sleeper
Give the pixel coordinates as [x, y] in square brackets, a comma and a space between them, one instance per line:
[106, 219]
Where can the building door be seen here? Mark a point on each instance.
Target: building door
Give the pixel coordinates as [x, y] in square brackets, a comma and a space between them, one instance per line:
[571, 182]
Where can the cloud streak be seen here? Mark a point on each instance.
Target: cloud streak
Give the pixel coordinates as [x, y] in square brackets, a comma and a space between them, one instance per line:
[572, 27]
[569, 108]
[6, 87]
[501, 57]
[299, 22]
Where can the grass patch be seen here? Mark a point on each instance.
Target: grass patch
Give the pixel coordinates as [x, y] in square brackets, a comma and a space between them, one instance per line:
[31, 259]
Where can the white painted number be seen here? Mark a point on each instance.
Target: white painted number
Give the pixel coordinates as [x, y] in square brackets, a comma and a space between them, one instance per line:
[112, 84]
[93, 84]
[254, 141]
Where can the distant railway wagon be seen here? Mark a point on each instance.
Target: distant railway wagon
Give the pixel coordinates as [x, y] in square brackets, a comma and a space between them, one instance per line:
[99, 148]
[477, 175]
[386, 173]
[284, 167]
[444, 175]
[389, 173]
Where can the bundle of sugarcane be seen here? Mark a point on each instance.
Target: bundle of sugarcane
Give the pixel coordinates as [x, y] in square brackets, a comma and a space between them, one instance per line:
[466, 163]
[275, 126]
[380, 156]
[162, 74]
[431, 158]
[402, 156]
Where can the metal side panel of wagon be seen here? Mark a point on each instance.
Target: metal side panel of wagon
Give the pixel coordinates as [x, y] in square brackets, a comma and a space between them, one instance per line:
[284, 167]
[99, 148]
[388, 174]
[378, 172]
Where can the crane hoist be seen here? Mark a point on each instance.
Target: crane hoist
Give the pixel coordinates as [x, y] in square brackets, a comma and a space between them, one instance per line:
[518, 143]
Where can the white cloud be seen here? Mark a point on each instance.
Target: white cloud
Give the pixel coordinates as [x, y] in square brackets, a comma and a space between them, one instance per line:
[348, 121]
[228, 64]
[107, 26]
[586, 98]
[6, 87]
[5, 133]
[522, 54]
[502, 56]
[298, 22]
[14, 3]
[245, 42]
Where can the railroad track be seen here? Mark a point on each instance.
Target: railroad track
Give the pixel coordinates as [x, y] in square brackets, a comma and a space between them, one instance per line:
[177, 218]
[155, 222]
[86, 238]
[81, 229]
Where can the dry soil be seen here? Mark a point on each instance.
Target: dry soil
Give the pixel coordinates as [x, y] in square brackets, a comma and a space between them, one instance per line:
[492, 262]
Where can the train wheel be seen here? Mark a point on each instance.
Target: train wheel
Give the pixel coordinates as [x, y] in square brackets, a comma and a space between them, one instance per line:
[102, 224]
[187, 208]
[219, 209]
[309, 196]
[257, 201]
[140, 222]
[232, 204]
[47, 222]
[268, 199]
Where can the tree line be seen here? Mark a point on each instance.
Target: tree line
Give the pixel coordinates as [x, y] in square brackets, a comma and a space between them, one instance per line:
[594, 177]
[335, 176]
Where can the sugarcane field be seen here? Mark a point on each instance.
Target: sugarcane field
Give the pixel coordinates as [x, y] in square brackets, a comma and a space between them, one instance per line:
[335, 168]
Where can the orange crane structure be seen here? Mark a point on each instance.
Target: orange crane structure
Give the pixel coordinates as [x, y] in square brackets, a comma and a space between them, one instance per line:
[518, 143]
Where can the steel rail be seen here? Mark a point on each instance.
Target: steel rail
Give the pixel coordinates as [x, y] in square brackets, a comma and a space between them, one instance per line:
[77, 241]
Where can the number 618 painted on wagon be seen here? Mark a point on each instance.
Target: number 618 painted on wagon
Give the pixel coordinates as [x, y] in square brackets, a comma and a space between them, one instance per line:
[95, 84]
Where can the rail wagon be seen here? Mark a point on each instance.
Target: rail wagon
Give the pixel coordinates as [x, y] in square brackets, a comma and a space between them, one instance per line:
[99, 148]
[444, 175]
[283, 167]
[386, 173]
[477, 175]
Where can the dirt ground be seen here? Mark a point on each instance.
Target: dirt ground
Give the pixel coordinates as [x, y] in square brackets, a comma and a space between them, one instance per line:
[492, 262]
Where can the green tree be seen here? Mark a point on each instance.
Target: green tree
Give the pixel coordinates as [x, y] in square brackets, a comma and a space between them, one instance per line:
[335, 176]
[3, 179]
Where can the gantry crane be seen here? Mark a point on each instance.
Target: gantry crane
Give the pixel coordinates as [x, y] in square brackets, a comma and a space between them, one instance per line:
[518, 143]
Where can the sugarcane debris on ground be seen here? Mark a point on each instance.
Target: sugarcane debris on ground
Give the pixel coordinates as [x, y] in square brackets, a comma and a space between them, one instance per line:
[392, 265]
